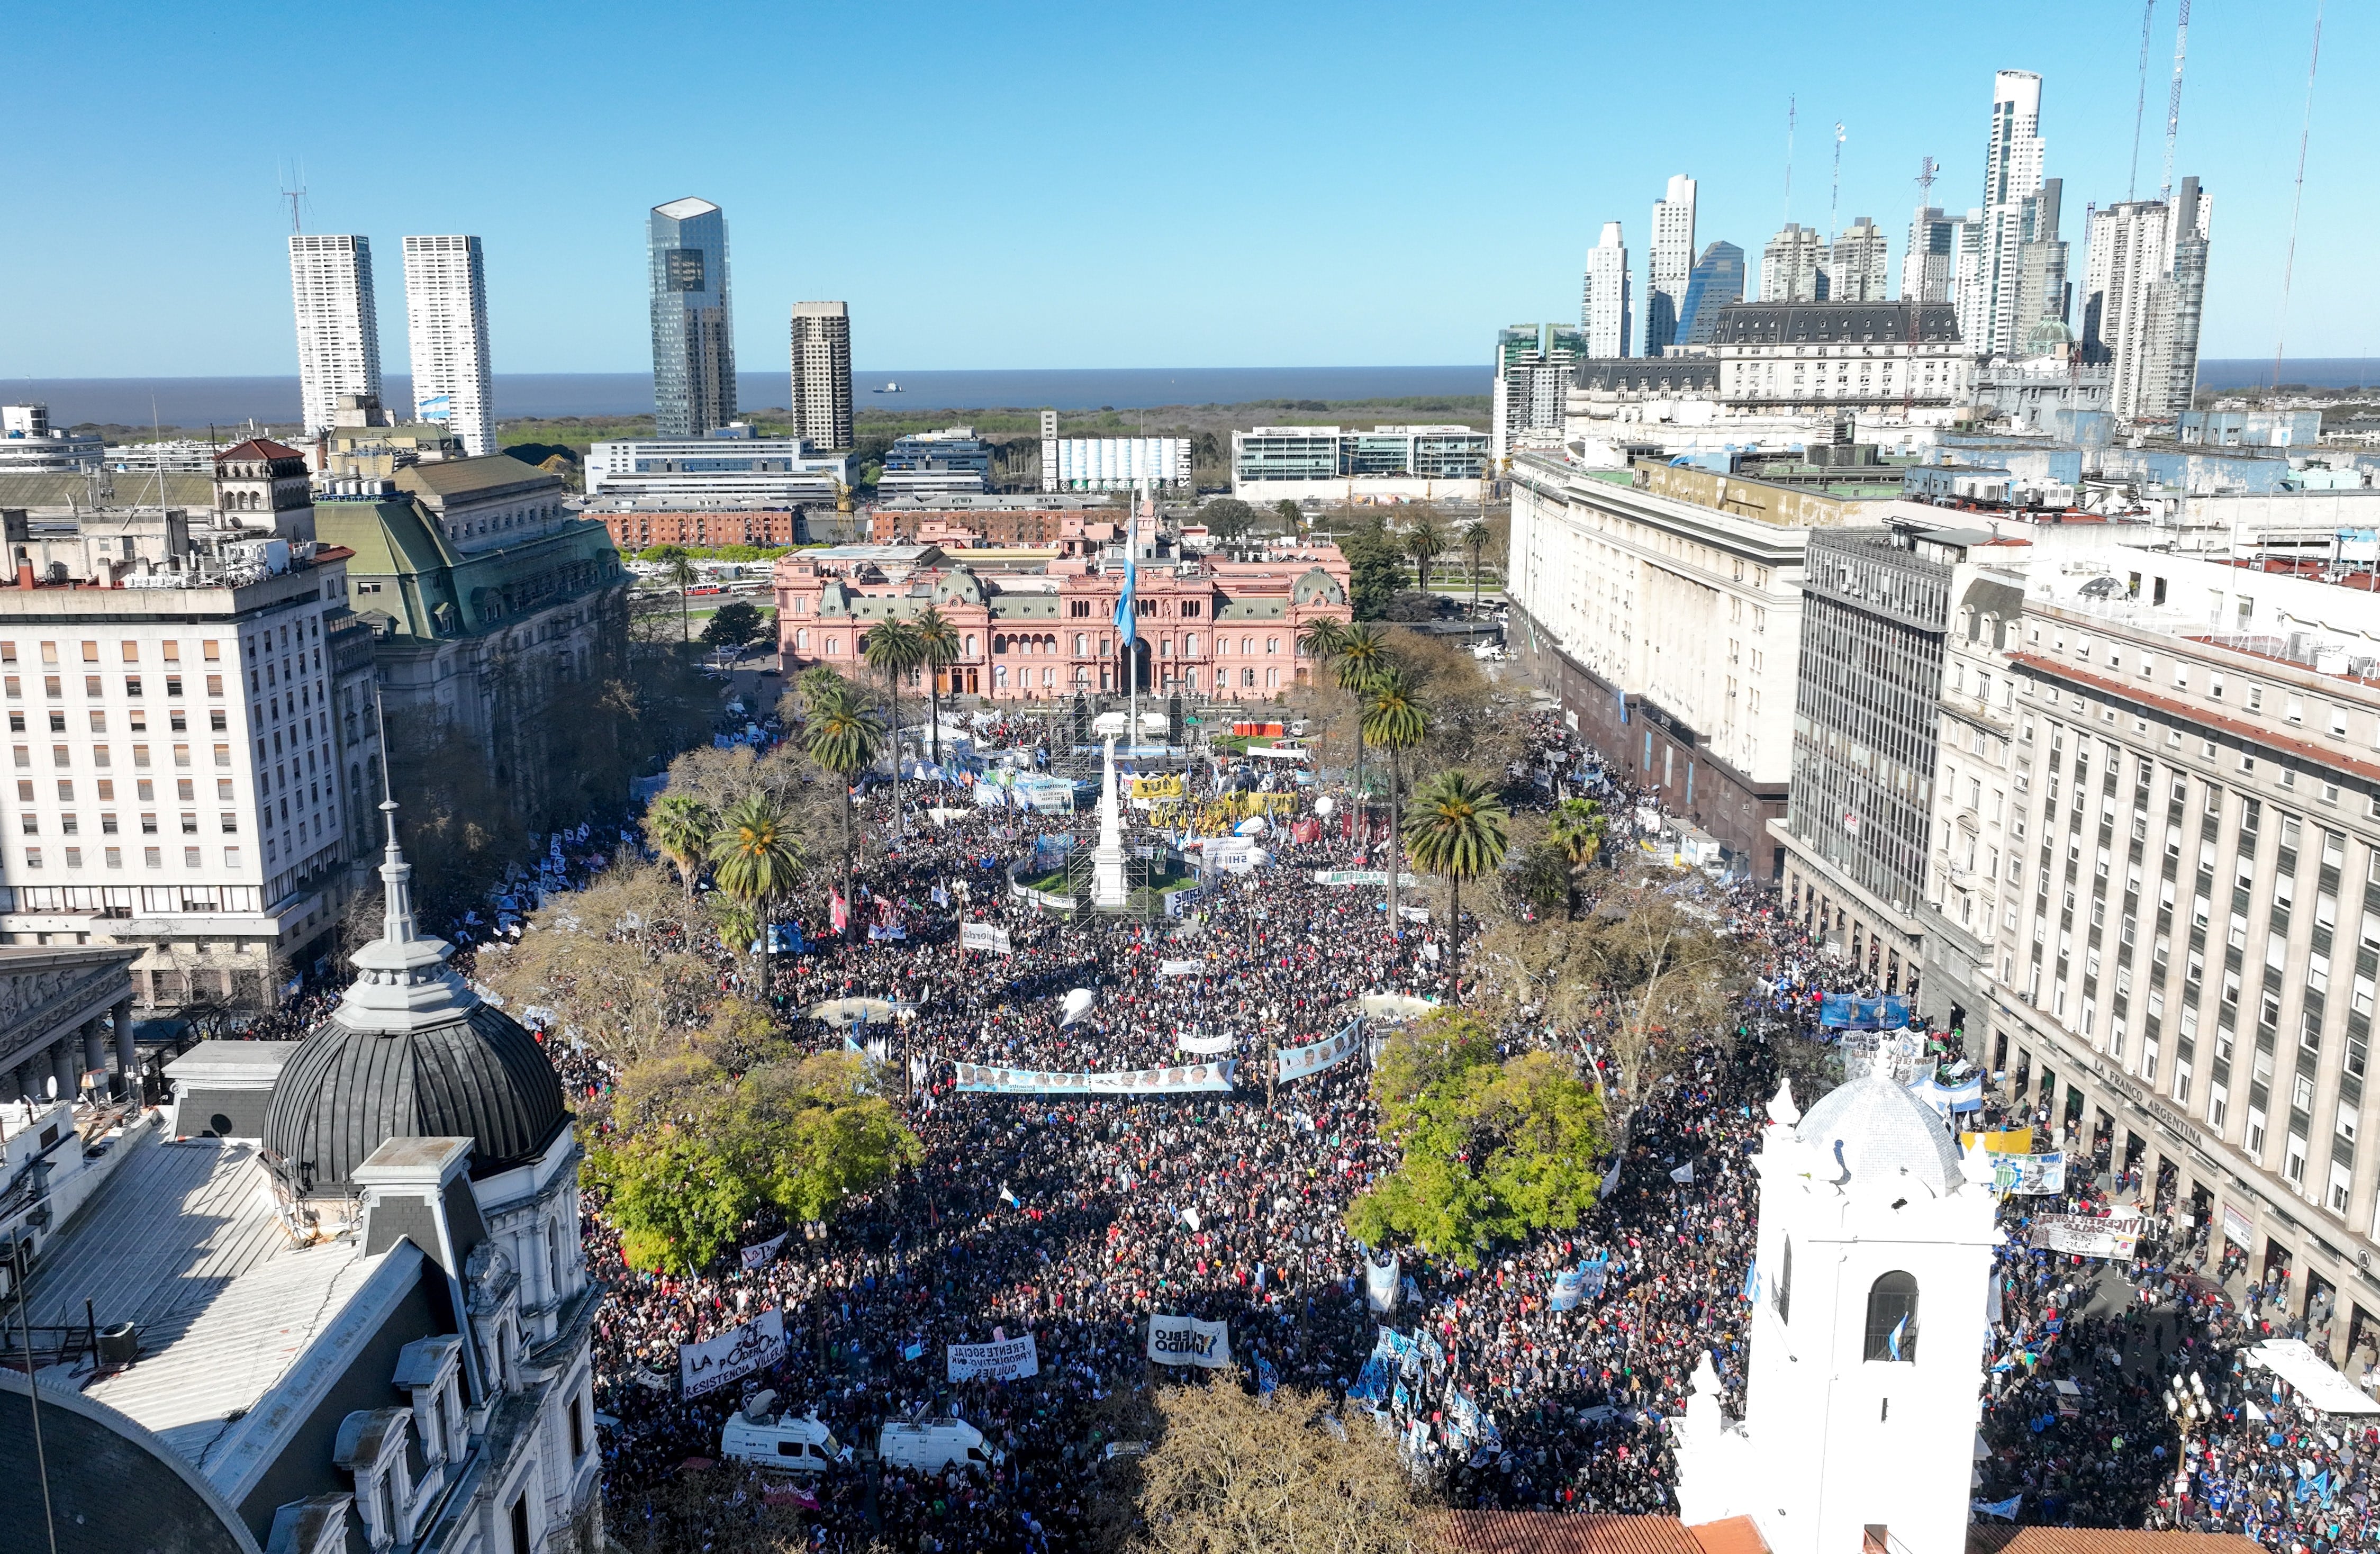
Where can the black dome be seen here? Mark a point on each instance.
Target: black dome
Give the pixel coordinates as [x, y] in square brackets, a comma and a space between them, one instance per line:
[473, 1074]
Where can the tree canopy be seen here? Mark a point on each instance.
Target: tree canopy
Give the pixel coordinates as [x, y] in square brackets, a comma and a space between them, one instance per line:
[736, 625]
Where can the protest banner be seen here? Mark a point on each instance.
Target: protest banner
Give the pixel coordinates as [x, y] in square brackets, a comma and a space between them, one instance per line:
[1570, 1288]
[1216, 1075]
[984, 936]
[2007, 1141]
[2029, 1175]
[2085, 1235]
[1296, 1063]
[1186, 1340]
[765, 1253]
[1363, 877]
[727, 1356]
[1381, 1283]
[1006, 1359]
[1180, 968]
[1205, 1045]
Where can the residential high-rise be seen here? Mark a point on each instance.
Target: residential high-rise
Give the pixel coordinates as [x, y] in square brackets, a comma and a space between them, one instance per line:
[1967, 276]
[1926, 266]
[1604, 310]
[1668, 270]
[338, 328]
[2042, 290]
[1793, 266]
[694, 335]
[1717, 280]
[1856, 270]
[2145, 287]
[1533, 369]
[2013, 168]
[446, 313]
[822, 373]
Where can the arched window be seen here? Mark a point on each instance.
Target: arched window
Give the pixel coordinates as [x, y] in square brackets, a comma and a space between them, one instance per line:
[1893, 1318]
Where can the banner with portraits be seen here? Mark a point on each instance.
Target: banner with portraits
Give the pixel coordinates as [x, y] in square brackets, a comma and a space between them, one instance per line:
[731, 1355]
[1190, 1078]
[2029, 1175]
[1186, 1340]
[1007, 1359]
[1297, 1063]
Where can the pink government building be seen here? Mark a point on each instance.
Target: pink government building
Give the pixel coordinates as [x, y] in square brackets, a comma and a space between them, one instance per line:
[1206, 626]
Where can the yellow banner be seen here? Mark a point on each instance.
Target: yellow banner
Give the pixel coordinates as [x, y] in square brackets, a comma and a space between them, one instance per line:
[1157, 787]
[2007, 1141]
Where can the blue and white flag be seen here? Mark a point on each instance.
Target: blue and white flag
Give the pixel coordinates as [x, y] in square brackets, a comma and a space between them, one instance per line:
[1267, 1377]
[1892, 1338]
[1752, 1280]
[1124, 610]
[2005, 1510]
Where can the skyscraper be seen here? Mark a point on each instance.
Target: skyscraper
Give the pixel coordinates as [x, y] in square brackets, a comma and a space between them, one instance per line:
[694, 335]
[2012, 168]
[2041, 285]
[338, 328]
[446, 314]
[1793, 266]
[1717, 280]
[1533, 371]
[1604, 308]
[1856, 269]
[1926, 266]
[822, 373]
[2143, 295]
[1669, 268]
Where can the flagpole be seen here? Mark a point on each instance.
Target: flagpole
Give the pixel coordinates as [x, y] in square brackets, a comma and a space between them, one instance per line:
[1132, 644]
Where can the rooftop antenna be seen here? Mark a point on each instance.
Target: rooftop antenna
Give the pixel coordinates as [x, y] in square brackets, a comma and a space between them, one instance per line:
[2288, 265]
[1835, 196]
[2140, 102]
[1789, 106]
[2173, 103]
[296, 196]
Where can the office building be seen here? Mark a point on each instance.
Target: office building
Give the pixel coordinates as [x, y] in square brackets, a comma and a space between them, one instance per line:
[1826, 358]
[446, 314]
[1717, 280]
[367, 442]
[1793, 266]
[822, 373]
[1995, 324]
[1604, 308]
[634, 528]
[338, 324]
[1931, 258]
[31, 445]
[1670, 266]
[1112, 463]
[1533, 370]
[1856, 270]
[949, 461]
[188, 772]
[1330, 466]
[1011, 522]
[1967, 274]
[2144, 292]
[729, 468]
[694, 330]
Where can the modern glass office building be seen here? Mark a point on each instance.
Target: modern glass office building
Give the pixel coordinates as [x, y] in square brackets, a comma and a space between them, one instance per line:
[1717, 280]
[693, 335]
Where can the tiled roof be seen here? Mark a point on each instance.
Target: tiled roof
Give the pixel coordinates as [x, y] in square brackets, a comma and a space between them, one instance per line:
[1737, 1534]
[2102, 1540]
[1545, 1531]
[259, 447]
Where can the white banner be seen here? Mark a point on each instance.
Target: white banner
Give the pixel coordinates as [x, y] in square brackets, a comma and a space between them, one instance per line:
[1205, 1045]
[1136, 1081]
[984, 936]
[1186, 1340]
[1180, 968]
[765, 1253]
[1381, 1283]
[1296, 1063]
[2085, 1235]
[1005, 1360]
[728, 1357]
[1363, 877]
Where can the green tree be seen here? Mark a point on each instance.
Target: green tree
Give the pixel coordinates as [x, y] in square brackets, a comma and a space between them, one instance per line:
[942, 643]
[1489, 1150]
[1576, 835]
[1290, 514]
[1376, 570]
[680, 827]
[678, 563]
[1541, 880]
[1396, 719]
[1228, 518]
[1362, 652]
[894, 649]
[1457, 830]
[756, 856]
[1664, 974]
[843, 735]
[736, 625]
[1424, 542]
[1475, 538]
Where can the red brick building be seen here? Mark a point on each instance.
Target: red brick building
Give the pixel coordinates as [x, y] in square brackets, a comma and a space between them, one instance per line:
[1206, 625]
[634, 531]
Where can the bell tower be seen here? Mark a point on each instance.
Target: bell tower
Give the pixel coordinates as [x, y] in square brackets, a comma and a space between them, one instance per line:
[1866, 1337]
[263, 485]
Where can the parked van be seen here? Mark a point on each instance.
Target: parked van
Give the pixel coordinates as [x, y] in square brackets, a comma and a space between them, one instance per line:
[778, 1443]
[932, 1445]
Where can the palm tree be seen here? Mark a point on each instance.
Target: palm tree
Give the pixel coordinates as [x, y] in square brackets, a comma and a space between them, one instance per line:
[1363, 653]
[1423, 542]
[1577, 834]
[1396, 719]
[1475, 537]
[681, 827]
[1456, 830]
[678, 567]
[1320, 639]
[941, 641]
[755, 854]
[894, 647]
[843, 735]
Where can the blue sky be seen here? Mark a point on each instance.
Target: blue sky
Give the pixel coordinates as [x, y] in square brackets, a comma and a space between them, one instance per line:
[1092, 186]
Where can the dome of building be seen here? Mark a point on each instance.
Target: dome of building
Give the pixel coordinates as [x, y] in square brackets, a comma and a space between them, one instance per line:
[1316, 584]
[1879, 1131]
[2048, 336]
[410, 1053]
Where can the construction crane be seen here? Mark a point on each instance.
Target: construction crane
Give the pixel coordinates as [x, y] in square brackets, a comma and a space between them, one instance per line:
[2140, 102]
[1926, 169]
[2173, 103]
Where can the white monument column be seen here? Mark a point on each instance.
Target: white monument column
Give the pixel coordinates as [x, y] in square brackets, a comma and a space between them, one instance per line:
[1108, 888]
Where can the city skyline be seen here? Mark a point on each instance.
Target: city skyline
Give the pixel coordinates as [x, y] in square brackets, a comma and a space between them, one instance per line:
[1270, 285]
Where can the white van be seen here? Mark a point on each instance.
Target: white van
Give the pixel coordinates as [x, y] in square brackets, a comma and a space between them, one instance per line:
[932, 1445]
[778, 1443]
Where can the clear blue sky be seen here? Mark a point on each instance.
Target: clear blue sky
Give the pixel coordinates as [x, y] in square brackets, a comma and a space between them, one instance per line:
[1092, 186]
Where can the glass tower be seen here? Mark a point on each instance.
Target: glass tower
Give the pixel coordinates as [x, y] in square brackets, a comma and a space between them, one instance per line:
[694, 336]
[1717, 280]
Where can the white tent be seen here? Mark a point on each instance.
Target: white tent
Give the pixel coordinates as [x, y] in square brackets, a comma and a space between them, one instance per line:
[2295, 1362]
